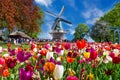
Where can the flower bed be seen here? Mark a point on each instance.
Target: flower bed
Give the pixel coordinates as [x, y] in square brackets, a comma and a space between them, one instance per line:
[61, 61]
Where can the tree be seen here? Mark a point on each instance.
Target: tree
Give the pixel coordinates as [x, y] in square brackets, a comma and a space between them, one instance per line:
[23, 14]
[80, 31]
[113, 16]
[100, 31]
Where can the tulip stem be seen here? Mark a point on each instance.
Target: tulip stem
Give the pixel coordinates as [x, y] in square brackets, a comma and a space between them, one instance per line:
[2, 78]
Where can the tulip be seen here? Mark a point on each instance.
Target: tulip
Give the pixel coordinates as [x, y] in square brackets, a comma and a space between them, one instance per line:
[5, 72]
[93, 54]
[43, 52]
[2, 61]
[90, 76]
[6, 55]
[54, 61]
[58, 50]
[70, 59]
[116, 60]
[25, 75]
[35, 50]
[47, 46]
[72, 78]
[0, 49]
[86, 54]
[71, 72]
[116, 52]
[81, 44]
[58, 59]
[62, 52]
[108, 72]
[107, 59]
[49, 55]
[106, 53]
[49, 67]
[11, 62]
[67, 46]
[22, 56]
[58, 72]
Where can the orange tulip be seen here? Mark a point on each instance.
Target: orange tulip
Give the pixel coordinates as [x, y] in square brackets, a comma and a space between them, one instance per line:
[43, 52]
[5, 72]
[19, 49]
[107, 48]
[49, 67]
[8, 45]
[70, 59]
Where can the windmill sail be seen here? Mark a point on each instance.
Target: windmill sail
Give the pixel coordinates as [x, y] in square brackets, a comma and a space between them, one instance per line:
[57, 30]
[65, 21]
[52, 14]
[61, 12]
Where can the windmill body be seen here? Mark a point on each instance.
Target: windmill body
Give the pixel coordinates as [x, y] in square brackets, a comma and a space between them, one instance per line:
[57, 30]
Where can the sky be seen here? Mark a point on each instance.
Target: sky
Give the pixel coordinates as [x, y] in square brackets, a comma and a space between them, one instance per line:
[76, 11]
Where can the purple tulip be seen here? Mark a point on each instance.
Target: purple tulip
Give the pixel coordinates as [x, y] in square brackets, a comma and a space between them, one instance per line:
[22, 56]
[55, 62]
[57, 50]
[12, 52]
[25, 75]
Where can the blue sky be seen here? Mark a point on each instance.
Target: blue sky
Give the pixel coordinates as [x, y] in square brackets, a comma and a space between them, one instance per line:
[76, 11]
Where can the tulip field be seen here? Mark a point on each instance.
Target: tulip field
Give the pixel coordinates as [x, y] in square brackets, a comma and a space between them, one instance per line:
[80, 60]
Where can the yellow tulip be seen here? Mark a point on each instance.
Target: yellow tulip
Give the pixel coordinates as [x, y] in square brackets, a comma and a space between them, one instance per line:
[90, 77]
[86, 55]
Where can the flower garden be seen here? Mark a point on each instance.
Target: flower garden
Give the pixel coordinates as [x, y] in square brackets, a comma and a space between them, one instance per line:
[61, 61]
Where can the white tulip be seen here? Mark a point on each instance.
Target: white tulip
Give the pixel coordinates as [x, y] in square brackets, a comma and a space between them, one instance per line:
[35, 49]
[116, 51]
[107, 59]
[49, 55]
[58, 72]
[58, 59]
[6, 55]
[0, 49]
[61, 52]
[106, 53]
[4, 49]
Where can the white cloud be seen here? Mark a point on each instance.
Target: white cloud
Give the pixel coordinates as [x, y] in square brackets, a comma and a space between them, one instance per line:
[44, 2]
[95, 12]
[71, 31]
[71, 3]
[46, 27]
[92, 14]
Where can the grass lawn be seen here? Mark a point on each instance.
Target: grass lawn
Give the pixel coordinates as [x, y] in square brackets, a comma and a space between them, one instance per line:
[4, 45]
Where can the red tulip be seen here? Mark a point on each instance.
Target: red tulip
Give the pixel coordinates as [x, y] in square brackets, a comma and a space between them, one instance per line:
[93, 54]
[116, 60]
[2, 61]
[81, 44]
[11, 62]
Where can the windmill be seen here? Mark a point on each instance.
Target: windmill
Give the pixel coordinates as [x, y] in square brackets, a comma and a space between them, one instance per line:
[57, 30]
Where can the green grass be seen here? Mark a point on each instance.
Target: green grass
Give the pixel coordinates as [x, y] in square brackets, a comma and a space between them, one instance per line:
[4, 45]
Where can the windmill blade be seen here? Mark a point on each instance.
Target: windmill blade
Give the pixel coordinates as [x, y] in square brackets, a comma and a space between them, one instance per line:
[61, 12]
[65, 21]
[52, 14]
[54, 24]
